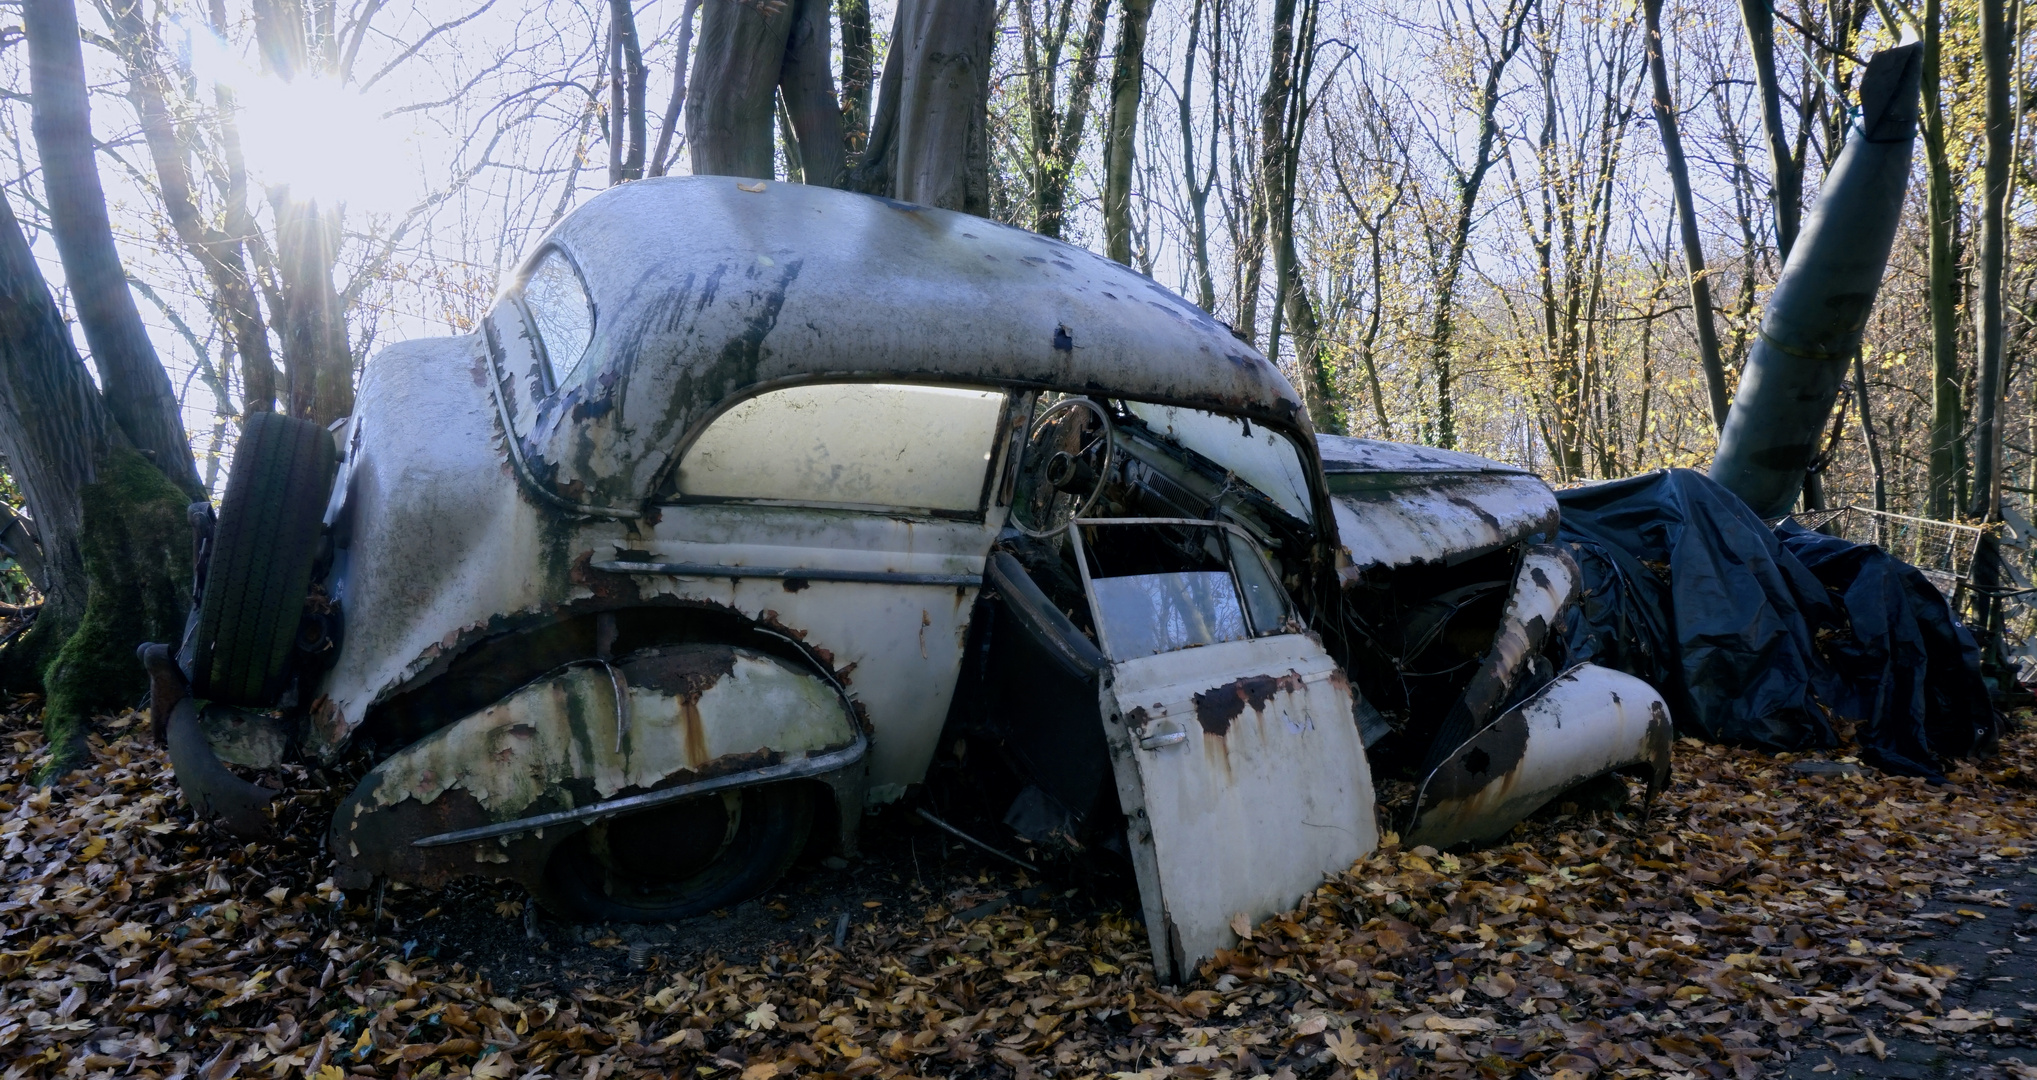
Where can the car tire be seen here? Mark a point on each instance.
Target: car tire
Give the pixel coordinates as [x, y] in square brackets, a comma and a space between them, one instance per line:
[258, 569]
[666, 863]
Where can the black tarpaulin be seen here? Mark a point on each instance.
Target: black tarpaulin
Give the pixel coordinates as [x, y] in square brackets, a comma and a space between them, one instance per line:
[1757, 637]
[1909, 670]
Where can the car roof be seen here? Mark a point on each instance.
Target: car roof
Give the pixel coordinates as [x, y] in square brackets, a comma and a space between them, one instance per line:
[707, 289]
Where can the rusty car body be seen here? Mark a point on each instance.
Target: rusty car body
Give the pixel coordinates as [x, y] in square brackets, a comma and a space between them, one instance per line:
[752, 507]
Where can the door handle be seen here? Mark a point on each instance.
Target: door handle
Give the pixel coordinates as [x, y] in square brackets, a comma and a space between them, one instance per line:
[1167, 735]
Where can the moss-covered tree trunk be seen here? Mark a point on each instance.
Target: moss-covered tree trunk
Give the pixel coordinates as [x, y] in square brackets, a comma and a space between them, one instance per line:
[116, 542]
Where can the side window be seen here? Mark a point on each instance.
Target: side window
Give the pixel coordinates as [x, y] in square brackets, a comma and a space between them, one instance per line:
[877, 445]
[560, 312]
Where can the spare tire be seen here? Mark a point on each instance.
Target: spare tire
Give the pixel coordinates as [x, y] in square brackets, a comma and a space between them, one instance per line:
[258, 567]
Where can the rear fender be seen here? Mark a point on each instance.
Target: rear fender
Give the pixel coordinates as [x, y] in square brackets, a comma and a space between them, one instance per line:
[493, 793]
[1589, 722]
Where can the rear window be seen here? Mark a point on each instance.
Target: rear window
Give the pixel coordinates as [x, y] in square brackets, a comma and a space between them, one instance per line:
[875, 445]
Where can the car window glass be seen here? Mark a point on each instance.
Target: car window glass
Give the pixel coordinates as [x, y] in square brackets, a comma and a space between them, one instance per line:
[1257, 455]
[560, 311]
[1147, 614]
[1160, 586]
[856, 444]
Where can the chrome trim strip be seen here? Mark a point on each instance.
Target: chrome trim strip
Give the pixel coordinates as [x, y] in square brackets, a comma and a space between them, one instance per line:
[786, 573]
[790, 770]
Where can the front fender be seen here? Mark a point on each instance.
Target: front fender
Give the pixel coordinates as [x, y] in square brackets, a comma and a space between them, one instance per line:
[1589, 722]
[587, 741]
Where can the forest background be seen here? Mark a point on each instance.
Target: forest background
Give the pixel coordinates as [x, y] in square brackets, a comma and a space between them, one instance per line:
[1452, 222]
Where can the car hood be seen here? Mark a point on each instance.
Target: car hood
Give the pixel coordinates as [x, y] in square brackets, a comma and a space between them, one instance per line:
[1400, 505]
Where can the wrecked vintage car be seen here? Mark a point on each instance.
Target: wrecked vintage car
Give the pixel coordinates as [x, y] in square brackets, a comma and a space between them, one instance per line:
[752, 507]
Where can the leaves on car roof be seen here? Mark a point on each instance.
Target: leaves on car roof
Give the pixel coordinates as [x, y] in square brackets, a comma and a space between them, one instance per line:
[1755, 908]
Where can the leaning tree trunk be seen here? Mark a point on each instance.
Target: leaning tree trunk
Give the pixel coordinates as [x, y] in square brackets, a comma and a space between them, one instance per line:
[929, 142]
[137, 391]
[115, 543]
[1787, 171]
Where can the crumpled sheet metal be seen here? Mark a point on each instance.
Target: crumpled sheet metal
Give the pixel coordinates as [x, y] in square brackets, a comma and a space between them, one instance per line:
[1589, 722]
[688, 713]
[1386, 520]
[1545, 585]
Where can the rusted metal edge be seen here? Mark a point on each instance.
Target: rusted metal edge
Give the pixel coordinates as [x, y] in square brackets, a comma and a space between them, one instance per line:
[785, 573]
[790, 770]
[521, 467]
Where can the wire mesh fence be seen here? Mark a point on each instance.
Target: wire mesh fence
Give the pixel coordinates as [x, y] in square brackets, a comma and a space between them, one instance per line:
[1943, 550]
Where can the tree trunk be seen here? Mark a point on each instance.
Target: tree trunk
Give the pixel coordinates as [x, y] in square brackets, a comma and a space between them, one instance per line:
[1787, 182]
[929, 140]
[806, 85]
[318, 364]
[626, 95]
[1941, 215]
[732, 101]
[115, 543]
[859, 77]
[1996, 48]
[747, 53]
[1056, 138]
[220, 253]
[661, 158]
[1686, 214]
[1272, 111]
[1443, 326]
[137, 391]
[1198, 191]
[1127, 80]
[53, 424]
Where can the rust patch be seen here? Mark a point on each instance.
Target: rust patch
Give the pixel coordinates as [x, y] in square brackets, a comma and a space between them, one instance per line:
[1138, 717]
[1483, 761]
[608, 587]
[687, 671]
[1216, 708]
[693, 731]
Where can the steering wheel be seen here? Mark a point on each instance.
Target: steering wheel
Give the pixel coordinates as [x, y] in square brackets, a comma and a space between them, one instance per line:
[1067, 458]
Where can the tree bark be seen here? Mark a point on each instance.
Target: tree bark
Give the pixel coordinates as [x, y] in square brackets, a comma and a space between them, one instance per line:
[732, 102]
[1941, 215]
[929, 141]
[1686, 214]
[1996, 48]
[806, 85]
[54, 427]
[1787, 183]
[1127, 81]
[747, 54]
[137, 391]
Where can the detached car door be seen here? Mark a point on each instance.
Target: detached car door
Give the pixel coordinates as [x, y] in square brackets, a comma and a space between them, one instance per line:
[1239, 765]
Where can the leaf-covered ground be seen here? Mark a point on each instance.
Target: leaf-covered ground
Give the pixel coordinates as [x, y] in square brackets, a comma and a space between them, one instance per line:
[1756, 914]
